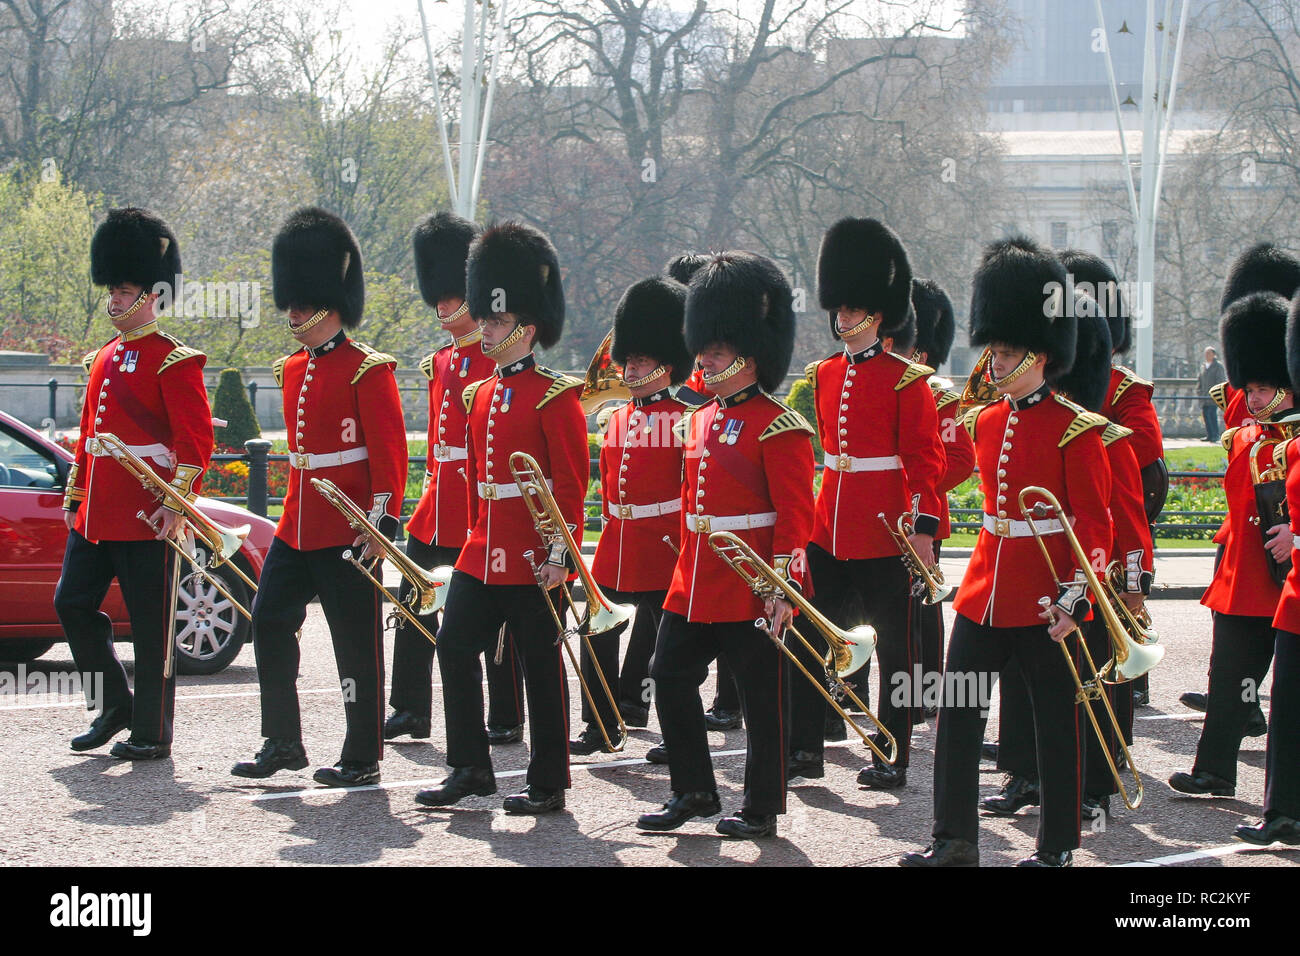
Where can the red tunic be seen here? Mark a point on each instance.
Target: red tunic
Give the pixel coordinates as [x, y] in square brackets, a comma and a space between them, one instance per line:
[1132, 545]
[751, 456]
[440, 517]
[1232, 402]
[1287, 617]
[1242, 584]
[640, 473]
[146, 388]
[958, 448]
[880, 409]
[1052, 443]
[339, 398]
[523, 407]
[1128, 402]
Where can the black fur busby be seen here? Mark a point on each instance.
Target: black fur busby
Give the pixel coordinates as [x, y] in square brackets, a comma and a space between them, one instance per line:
[315, 263]
[1088, 380]
[863, 265]
[935, 326]
[1293, 344]
[648, 321]
[1261, 268]
[1103, 286]
[1253, 332]
[905, 337]
[133, 245]
[743, 300]
[684, 266]
[1018, 298]
[521, 263]
[441, 243]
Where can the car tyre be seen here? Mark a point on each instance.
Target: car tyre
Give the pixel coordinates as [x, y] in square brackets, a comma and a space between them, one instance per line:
[209, 630]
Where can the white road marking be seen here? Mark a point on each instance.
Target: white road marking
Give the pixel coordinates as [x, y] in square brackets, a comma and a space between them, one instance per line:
[1226, 849]
[1196, 715]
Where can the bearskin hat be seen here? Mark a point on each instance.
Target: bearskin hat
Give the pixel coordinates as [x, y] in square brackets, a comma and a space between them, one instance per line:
[519, 261]
[315, 262]
[863, 265]
[905, 338]
[743, 300]
[1086, 383]
[133, 245]
[1018, 298]
[441, 243]
[1253, 332]
[1293, 344]
[648, 321]
[1261, 268]
[935, 326]
[1103, 287]
[684, 266]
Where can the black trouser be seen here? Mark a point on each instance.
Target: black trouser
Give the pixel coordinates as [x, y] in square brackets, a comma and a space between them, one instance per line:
[1017, 748]
[290, 579]
[883, 586]
[976, 654]
[1213, 422]
[470, 622]
[1240, 655]
[1282, 763]
[632, 684]
[413, 656]
[932, 631]
[681, 664]
[726, 694]
[144, 573]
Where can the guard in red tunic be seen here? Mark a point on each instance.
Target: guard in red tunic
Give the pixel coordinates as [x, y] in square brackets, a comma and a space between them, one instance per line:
[749, 471]
[641, 488]
[879, 431]
[515, 294]
[437, 529]
[935, 330]
[345, 425]
[1243, 594]
[1132, 546]
[1281, 822]
[1031, 436]
[146, 388]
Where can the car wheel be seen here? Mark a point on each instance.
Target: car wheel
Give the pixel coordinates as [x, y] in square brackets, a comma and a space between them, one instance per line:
[23, 650]
[209, 630]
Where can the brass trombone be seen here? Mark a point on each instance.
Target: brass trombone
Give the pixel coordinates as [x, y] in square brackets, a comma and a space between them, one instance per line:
[927, 580]
[849, 650]
[428, 588]
[1131, 658]
[602, 615]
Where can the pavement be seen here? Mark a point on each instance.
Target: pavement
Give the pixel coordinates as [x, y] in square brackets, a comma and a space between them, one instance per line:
[91, 810]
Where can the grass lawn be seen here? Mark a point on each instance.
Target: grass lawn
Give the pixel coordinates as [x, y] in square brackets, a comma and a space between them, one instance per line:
[1198, 458]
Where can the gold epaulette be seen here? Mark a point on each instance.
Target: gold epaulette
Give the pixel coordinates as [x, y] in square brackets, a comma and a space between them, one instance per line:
[788, 421]
[968, 419]
[913, 371]
[1083, 421]
[559, 383]
[179, 354]
[946, 397]
[467, 396]
[810, 372]
[88, 359]
[1220, 395]
[1226, 438]
[1114, 433]
[1130, 378]
[426, 365]
[373, 359]
[277, 370]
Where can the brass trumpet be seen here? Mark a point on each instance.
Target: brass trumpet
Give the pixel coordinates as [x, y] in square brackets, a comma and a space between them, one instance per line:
[849, 650]
[927, 579]
[602, 615]
[428, 588]
[1131, 658]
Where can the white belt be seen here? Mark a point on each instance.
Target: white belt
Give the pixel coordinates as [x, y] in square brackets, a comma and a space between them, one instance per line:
[449, 453]
[1010, 528]
[705, 524]
[626, 512]
[849, 463]
[159, 452]
[497, 492]
[305, 461]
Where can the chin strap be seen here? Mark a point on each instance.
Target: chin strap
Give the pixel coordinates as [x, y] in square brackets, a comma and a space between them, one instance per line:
[464, 307]
[1025, 364]
[726, 373]
[135, 307]
[860, 327]
[1268, 409]
[644, 379]
[506, 343]
[298, 330]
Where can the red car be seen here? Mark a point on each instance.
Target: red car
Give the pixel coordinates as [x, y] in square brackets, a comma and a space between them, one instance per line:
[33, 469]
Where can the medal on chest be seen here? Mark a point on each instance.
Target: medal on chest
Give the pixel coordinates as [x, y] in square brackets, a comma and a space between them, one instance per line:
[505, 399]
[464, 367]
[731, 431]
[129, 360]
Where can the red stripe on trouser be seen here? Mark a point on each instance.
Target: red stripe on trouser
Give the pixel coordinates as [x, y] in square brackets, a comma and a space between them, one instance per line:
[377, 637]
[564, 715]
[169, 555]
[780, 719]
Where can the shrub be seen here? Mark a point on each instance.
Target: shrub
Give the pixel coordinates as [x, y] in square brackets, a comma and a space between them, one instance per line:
[232, 404]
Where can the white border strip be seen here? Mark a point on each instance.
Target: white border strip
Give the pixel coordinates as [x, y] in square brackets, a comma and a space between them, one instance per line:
[1211, 852]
